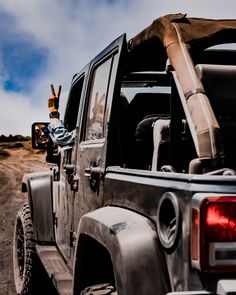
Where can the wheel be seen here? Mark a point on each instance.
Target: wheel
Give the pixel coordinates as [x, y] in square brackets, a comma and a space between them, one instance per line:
[24, 252]
[100, 289]
[27, 268]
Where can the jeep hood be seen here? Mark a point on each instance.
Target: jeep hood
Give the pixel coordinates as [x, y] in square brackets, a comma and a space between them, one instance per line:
[175, 34]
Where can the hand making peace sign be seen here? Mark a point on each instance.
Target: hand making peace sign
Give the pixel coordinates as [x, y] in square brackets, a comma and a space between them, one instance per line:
[53, 100]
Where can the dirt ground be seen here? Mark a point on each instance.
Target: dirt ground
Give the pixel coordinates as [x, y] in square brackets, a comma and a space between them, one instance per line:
[14, 163]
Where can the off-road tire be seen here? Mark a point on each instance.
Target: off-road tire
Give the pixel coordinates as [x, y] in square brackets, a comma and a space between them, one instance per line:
[100, 289]
[24, 252]
[25, 260]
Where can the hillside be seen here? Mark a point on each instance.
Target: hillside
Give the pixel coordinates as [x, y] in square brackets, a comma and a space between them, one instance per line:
[16, 159]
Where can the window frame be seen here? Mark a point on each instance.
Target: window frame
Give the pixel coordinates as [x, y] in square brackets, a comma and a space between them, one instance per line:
[98, 141]
[70, 122]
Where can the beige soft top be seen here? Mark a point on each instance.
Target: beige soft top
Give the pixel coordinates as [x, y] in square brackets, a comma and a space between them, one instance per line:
[194, 31]
[177, 34]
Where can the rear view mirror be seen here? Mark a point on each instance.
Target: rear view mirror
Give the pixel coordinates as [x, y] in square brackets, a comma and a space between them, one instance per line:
[40, 135]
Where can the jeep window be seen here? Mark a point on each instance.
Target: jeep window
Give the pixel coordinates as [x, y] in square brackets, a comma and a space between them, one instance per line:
[71, 113]
[149, 96]
[97, 100]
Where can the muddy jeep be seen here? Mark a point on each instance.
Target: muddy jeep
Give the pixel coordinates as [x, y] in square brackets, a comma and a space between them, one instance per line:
[144, 201]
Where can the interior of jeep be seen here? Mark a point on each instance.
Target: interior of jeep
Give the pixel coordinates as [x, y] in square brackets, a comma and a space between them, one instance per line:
[154, 132]
[151, 136]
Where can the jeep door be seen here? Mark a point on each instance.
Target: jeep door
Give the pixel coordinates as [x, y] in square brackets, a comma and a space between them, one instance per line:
[63, 175]
[77, 184]
[92, 149]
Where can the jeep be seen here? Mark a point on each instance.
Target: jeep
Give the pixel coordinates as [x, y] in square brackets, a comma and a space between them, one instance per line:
[144, 201]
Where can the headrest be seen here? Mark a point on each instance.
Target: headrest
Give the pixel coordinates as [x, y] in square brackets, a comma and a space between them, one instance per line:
[219, 82]
[148, 103]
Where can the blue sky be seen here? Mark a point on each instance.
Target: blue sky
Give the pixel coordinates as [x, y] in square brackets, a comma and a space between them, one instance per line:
[43, 42]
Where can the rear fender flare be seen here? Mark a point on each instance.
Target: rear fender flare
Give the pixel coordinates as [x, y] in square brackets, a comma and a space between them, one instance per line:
[138, 260]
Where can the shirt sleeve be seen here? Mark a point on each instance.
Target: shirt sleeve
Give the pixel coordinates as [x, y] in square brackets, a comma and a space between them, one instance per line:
[60, 135]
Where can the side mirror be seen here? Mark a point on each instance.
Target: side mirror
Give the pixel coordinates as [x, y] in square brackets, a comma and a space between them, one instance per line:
[42, 141]
[40, 135]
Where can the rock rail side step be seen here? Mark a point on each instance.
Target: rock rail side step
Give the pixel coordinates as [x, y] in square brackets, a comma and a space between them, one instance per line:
[56, 268]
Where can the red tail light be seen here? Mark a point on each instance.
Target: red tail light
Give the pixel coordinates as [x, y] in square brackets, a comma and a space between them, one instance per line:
[213, 234]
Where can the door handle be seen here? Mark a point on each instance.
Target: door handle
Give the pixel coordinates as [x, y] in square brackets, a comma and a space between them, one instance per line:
[95, 174]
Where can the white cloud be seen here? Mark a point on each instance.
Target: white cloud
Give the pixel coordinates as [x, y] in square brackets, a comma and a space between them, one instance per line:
[74, 32]
[17, 114]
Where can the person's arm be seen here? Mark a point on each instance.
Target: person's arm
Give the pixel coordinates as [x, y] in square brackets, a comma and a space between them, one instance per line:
[58, 133]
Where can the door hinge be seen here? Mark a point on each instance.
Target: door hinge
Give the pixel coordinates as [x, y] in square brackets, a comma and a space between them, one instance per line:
[55, 173]
[73, 239]
[55, 218]
[74, 183]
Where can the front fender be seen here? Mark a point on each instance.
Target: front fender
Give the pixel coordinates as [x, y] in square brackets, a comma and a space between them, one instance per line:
[39, 188]
[130, 238]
